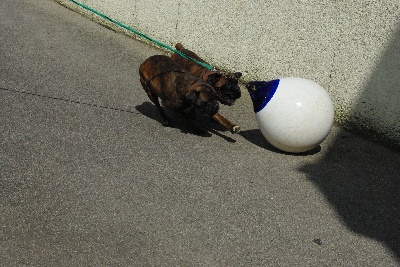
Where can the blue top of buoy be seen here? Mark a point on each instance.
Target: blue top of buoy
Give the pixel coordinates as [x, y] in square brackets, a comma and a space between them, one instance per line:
[261, 92]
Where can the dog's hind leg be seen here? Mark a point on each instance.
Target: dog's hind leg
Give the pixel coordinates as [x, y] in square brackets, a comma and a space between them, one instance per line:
[165, 120]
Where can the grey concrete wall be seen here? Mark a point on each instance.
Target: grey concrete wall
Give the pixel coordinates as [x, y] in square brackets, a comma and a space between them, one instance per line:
[352, 47]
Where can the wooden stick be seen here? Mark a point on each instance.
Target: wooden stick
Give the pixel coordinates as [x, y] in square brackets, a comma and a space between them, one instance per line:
[233, 128]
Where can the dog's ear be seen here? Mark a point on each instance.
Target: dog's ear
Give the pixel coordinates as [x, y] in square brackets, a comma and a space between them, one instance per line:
[237, 75]
[213, 78]
[179, 46]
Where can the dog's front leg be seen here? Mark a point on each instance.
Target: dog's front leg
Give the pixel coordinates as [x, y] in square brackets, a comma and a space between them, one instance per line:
[190, 116]
[233, 128]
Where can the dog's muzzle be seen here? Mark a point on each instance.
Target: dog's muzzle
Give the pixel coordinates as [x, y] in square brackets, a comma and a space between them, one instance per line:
[210, 108]
[228, 93]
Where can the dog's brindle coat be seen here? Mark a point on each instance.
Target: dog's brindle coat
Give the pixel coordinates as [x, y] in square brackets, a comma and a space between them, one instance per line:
[163, 78]
[224, 83]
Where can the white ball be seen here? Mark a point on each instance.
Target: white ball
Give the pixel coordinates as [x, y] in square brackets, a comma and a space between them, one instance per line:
[294, 114]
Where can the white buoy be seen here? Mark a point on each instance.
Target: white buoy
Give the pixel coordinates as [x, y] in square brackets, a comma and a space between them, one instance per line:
[294, 114]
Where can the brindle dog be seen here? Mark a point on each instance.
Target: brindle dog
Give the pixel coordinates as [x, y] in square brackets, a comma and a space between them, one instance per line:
[224, 83]
[163, 78]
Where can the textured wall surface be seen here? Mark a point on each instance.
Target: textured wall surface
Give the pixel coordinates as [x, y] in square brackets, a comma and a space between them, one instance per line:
[352, 48]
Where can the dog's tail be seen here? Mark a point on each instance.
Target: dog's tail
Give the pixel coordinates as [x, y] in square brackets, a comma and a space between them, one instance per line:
[179, 46]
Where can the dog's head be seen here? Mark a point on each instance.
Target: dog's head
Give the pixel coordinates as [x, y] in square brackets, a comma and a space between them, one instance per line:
[227, 86]
[204, 98]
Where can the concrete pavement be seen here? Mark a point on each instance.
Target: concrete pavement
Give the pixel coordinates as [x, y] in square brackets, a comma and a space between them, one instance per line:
[89, 177]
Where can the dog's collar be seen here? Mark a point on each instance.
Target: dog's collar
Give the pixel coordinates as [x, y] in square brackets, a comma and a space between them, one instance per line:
[223, 73]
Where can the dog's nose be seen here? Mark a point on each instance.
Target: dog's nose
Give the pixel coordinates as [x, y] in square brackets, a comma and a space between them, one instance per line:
[234, 93]
[238, 93]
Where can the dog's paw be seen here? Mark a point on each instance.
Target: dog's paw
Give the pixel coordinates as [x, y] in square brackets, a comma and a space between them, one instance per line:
[165, 121]
[199, 131]
[203, 133]
[235, 129]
